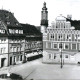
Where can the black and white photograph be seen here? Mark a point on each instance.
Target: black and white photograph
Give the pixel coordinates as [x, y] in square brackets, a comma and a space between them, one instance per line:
[39, 40]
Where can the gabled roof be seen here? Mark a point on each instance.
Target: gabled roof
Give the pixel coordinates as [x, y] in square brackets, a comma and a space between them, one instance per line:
[9, 19]
[30, 29]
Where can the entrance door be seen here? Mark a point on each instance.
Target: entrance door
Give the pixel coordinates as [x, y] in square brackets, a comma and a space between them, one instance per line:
[21, 58]
[2, 62]
[10, 60]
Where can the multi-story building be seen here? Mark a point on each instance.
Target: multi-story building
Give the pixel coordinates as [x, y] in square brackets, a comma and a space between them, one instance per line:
[33, 42]
[11, 39]
[61, 42]
[15, 39]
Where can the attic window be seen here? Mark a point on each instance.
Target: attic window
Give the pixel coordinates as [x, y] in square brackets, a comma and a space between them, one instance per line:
[2, 31]
[8, 22]
[7, 17]
[16, 23]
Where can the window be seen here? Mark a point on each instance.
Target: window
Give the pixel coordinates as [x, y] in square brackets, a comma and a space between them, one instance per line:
[16, 23]
[10, 49]
[49, 56]
[10, 31]
[78, 37]
[66, 56]
[69, 37]
[1, 40]
[14, 59]
[3, 50]
[18, 49]
[8, 22]
[18, 58]
[75, 36]
[13, 31]
[55, 46]
[59, 36]
[14, 49]
[46, 45]
[51, 36]
[74, 46]
[21, 31]
[2, 31]
[54, 56]
[17, 31]
[67, 46]
[60, 45]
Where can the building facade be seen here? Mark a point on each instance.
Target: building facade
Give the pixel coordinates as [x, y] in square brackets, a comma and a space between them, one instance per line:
[33, 42]
[16, 39]
[61, 41]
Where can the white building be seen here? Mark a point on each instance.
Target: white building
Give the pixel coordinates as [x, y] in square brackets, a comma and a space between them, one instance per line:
[61, 42]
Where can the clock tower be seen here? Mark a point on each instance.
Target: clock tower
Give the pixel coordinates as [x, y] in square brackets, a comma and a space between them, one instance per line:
[44, 18]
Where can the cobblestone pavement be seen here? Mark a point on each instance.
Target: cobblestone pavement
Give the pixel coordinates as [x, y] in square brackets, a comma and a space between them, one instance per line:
[37, 70]
[54, 72]
[22, 69]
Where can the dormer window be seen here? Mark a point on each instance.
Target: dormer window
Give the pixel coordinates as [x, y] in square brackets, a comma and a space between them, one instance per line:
[8, 22]
[17, 31]
[16, 23]
[2, 31]
[20, 31]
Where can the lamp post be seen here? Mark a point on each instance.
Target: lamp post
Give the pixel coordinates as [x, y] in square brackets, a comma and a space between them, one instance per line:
[61, 54]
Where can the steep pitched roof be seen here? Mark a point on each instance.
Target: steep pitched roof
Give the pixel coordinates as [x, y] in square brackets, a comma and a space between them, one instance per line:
[30, 29]
[9, 19]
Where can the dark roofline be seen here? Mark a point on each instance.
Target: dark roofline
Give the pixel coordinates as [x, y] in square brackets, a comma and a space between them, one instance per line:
[34, 27]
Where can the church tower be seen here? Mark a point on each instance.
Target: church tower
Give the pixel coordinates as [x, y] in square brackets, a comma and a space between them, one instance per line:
[44, 18]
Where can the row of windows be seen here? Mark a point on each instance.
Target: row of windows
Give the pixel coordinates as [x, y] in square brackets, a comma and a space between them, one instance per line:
[61, 45]
[64, 36]
[33, 45]
[15, 31]
[15, 49]
[2, 31]
[2, 40]
[55, 56]
[16, 41]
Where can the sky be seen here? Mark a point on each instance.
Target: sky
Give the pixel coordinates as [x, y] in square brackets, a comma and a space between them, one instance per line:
[29, 11]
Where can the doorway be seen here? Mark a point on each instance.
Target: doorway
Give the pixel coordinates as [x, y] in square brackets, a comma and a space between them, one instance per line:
[10, 60]
[2, 62]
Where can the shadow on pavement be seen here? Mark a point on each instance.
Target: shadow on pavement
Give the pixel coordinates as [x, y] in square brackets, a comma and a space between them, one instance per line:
[12, 76]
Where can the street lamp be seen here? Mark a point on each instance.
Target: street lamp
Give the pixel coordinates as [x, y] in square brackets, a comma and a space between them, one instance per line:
[61, 54]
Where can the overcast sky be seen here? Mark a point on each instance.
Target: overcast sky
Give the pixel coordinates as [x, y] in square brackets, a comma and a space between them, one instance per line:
[29, 11]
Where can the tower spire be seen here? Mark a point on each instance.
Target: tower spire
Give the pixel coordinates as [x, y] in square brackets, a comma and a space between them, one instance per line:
[44, 17]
